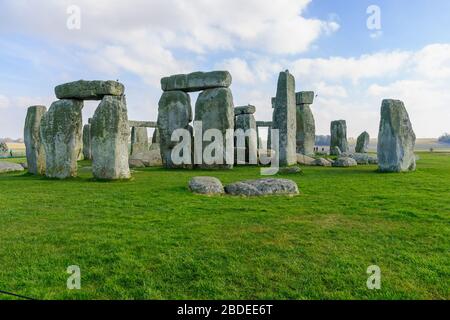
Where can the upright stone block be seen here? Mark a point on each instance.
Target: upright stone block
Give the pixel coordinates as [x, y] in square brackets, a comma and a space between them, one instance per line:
[396, 138]
[338, 137]
[306, 127]
[362, 143]
[284, 119]
[174, 112]
[110, 133]
[215, 109]
[246, 124]
[34, 148]
[87, 147]
[61, 130]
[139, 140]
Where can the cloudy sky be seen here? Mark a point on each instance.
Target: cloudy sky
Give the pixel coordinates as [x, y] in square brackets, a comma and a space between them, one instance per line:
[327, 44]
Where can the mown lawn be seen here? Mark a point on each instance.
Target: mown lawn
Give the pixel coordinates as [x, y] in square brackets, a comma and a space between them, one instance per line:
[150, 238]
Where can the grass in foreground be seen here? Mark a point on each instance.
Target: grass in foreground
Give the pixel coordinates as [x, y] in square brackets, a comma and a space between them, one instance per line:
[150, 238]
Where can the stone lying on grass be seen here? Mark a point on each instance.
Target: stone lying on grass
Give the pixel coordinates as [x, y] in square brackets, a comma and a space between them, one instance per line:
[364, 158]
[206, 185]
[10, 167]
[134, 163]
[322, 162]
[305, 160]
[345, 162]
[263, 187]
[89, 90]
[290, 170]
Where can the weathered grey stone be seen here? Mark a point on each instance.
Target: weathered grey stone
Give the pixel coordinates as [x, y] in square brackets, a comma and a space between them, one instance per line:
[139, 140]
[284, 118]
[304, 97]
[6, 167]
[174, 112]
[345, 162]
[245, 122]
[274, 102]
[89, 90]
[245, 110]
[360, 158]
[24, 165]
[396, 138]
[206, 185]
[196, 81]
[34, 148]
[263, 187]
[215, 109]
[87, 147]
[338, 136]
[156, 138]
[61, 135]
[290, 170]
[306, 130]
[335, 151]
[109, 135]
[142, 124]
[322, 162]
[362, 143]
[305, 160]
[135, 163]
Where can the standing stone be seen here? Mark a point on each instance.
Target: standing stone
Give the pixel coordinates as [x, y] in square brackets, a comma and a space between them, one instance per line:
[174, 112]
[214, 107]
[156, 138]
[61, 130]
[306, 128]
[110, 133]
[396, 138]
[34, 148]
[362, 143]
[139, 140]
[87, 147]
[284, 119]
[338, 137]
[245, 120]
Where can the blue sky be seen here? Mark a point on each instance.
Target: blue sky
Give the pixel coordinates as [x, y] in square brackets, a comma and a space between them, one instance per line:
[326, 45]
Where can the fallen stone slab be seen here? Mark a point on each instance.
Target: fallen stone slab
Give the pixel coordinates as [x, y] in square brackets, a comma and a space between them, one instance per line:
[263, 187]
[206, 185]
[290, 170]
[244, 110]
[305, 160]
[135, 163]
[322, 162]
[345, 162]
[196, 81]
[364, 158]
[10, 167]
[151, 158]
[89, 90]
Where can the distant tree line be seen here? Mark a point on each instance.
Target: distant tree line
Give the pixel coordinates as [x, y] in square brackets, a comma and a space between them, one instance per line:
[445, 138]
[323, 140]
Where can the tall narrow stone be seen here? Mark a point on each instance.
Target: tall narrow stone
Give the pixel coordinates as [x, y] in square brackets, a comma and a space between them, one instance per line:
[245, 122]
[139, 140]
[284, 118]
[215, 109]
[61, 130]
[396, 138]
[362, 143]
[174, 112]
[87, 147]
[34, 148]
[338, 136]
[110, 133]
[306, 127]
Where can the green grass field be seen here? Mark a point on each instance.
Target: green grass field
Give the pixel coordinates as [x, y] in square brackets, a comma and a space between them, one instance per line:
[150, 238]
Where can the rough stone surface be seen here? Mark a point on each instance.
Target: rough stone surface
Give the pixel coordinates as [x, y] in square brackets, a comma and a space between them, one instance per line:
[34, 148]
[135, 163]
[156, 138]
[247, 122]
[305, 160]
[206, 185]
[61, 135]
[245, 110]
[305, 97]
[338, 136]
[290, 170]
[214, 107]
[322, 162]
[87, 146]
[263, 187]
[196, 81]
[396, 138]
[6, 167]
[364, 158]
[139, 140]
[284, 118]
[174, 112]
[110, 133]
[89, 90]
[306, 130]
[362, 143]
[345, 162]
